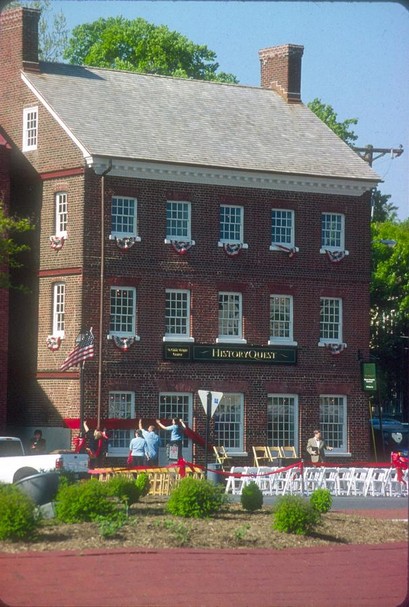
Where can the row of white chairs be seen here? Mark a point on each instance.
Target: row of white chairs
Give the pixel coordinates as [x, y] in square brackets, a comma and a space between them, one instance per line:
[340, 481]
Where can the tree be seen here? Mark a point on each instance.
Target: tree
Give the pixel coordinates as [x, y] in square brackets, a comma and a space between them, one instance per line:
[139, 46]
[382, 210]
[390, 309]
[328, 115]
[52, 29]
[10, 248]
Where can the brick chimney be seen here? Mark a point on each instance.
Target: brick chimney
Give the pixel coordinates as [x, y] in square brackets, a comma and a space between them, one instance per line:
[281, 70]
[19, 38]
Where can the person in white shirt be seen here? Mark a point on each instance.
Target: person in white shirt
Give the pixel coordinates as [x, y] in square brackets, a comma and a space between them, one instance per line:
[316, 447]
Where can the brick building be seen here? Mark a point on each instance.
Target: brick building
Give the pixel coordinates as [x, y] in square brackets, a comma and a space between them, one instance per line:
[215, 237]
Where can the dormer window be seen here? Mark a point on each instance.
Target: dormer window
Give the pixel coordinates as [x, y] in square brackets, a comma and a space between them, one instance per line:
[30, 128]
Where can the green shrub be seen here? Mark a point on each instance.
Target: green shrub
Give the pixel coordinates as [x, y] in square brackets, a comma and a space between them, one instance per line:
[110, 525]
[196, 498]
[321, 500]
[251, 497]
[143, 483]
[125, 489]
[294, 514]
[19, 517]
[84, 501]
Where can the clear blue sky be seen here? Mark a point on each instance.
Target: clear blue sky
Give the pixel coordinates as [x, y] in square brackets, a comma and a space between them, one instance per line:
[356, 58]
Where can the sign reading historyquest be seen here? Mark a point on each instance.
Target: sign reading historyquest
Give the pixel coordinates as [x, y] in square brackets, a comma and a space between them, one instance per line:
[230, 354]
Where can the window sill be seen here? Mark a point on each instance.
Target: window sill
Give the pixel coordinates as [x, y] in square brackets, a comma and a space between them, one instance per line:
[122, 336]
[114, 236]
[333, 250]
[243, 245]
[286, 248]
[178, 338]
[275, 342]
[329, 454]
[230, 340]
[237, 454]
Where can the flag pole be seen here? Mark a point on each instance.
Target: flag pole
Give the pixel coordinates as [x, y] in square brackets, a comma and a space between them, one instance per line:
[82, 391]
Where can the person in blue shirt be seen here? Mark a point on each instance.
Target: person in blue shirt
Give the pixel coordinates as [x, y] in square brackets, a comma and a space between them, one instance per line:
[138, 449]
[176, 428]
[152, 444]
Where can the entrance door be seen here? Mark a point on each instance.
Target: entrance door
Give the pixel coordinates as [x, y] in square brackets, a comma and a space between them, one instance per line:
[175, 404]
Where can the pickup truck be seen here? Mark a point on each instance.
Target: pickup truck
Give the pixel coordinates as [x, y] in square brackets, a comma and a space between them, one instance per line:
[16, 465]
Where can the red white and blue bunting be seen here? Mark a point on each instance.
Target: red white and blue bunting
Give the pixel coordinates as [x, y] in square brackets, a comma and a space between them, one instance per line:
[53, 343]
[335, 349]
[335, 256]
[57, 242]
[124, 243]
[290, 250]
[123, 343]
[182, 246]
[232, 248]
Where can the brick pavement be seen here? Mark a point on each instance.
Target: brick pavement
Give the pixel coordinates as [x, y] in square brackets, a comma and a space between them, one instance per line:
[339, 576]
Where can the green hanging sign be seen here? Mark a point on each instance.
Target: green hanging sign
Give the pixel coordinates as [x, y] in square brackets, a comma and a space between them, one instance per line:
[368, 376]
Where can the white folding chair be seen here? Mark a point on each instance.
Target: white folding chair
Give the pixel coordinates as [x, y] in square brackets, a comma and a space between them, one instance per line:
[343, 481]
[358, 480]
[329, 480]
[265, 480]
[376, 482]
[313, 478]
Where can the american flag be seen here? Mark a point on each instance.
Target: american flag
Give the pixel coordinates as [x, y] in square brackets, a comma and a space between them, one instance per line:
[83, 350]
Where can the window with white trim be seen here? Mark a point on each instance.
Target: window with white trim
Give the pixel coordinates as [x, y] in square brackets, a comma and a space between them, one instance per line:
[330, 320]
[61, 213]
[230, 316]
[30, 128]
[178, 220]
[332, 232]
[177, 314]
[172, 405]
[58, 309]
[282, 228]
[121, 405]
[282, 420]
[281, 319]
[333, 422]
[124, 217]
[228, 422]
[231, 224]
[123, 312]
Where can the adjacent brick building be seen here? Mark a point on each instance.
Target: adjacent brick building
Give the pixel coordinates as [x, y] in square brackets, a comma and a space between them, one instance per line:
[214, 237]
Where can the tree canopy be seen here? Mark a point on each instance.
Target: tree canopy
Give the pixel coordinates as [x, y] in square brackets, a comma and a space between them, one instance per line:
[138, 46]
[10, 248]
[328, 115]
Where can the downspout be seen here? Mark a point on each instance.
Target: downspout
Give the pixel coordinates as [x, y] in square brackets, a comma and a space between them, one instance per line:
[101, 293]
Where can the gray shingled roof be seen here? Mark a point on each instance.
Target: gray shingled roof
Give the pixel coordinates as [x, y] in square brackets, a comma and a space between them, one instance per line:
[157, 118]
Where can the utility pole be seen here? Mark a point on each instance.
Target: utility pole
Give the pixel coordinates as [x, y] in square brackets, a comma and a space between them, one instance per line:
[367, 153]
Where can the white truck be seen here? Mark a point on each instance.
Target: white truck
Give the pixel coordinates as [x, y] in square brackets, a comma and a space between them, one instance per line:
[16, 465]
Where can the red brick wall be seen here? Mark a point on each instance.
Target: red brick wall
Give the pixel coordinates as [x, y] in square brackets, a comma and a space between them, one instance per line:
[4, 294]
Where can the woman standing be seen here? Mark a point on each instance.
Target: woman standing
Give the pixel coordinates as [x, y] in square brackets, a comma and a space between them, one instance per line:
[176, 438]
[138, 449]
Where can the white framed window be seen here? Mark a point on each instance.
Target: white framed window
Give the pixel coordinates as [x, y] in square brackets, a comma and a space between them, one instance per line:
[333, 422]
[231, 224]
[177, 315]
[123, 312]
[229, 423]
[171, 405]
[121, 405]
[281, 319]
[332, 232]
[330, 320]
[58, 309]
[61, 214]
[230, 317]
[123, 217]
[30, 128]
[282, 229]
[178, 220]
[282, 420]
